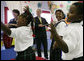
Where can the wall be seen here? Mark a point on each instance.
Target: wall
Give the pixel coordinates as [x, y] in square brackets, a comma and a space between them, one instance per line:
[3, 4]
[20, 5]
[64, 5]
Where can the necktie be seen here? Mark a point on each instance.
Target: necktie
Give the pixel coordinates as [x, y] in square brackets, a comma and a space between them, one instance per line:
[40, 20]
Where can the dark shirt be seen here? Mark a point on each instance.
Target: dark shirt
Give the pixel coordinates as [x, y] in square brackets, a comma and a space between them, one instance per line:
[13, 21]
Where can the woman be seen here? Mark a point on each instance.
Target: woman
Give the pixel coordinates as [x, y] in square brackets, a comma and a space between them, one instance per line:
[13, 22]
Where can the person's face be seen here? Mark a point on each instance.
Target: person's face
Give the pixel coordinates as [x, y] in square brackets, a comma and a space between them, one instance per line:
[72, 15]
[59, 15]
[21, 21]
[38, 12]
[15, 15]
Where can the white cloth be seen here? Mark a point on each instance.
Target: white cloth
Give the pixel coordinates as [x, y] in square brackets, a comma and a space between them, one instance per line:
[23, 38]
[61, 28]
[81, 22]
[73, 37]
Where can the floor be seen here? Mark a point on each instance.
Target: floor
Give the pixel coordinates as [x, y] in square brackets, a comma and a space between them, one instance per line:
[43, 54]
[8, 54]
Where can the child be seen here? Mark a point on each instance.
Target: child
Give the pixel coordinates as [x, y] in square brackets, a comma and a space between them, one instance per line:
[23, 37]
[72, 41]
[55, 54]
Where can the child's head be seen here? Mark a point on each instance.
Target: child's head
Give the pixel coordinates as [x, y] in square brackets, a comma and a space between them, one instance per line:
[24, 20]
[59, 14]
[75, 13]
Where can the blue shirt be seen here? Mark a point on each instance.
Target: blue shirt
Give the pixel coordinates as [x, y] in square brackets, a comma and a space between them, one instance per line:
[13, 21]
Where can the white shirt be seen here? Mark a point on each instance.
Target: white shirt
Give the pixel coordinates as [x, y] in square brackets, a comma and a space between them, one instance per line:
[61, 28]
[81, 22]
[23, 38]
[73, 37]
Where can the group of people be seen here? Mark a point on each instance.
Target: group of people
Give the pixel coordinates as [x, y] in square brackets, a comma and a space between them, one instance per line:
[67, 39]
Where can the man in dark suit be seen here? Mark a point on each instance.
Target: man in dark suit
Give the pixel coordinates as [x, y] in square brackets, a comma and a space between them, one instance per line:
[40, 33]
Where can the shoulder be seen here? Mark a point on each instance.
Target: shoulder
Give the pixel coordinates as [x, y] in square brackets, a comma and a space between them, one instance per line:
[36, 17]
[24, 28]
[81, 22]
[43, 19]
[74, 28]
[12, 20]
[61, 23]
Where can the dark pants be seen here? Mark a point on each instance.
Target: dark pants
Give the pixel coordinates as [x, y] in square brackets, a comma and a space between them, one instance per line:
[55, 54]
[28, 54]
[34, 41]
[43, 41]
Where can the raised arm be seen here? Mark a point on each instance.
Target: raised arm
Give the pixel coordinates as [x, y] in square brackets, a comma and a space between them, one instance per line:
[5, 29]
[61, 44]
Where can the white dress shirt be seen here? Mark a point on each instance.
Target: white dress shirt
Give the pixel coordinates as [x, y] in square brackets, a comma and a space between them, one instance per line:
[23, 38]
[73, 37]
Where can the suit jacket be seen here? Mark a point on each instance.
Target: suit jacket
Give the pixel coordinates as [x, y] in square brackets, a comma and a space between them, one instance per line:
[40, 31]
